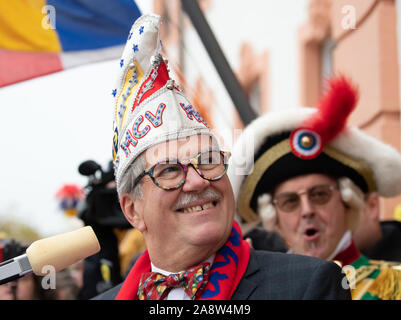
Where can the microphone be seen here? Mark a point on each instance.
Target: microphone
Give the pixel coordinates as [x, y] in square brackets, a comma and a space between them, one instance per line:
[58, 251]
[88, 167]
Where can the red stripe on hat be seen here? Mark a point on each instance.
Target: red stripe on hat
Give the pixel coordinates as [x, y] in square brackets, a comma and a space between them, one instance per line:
[159, 82]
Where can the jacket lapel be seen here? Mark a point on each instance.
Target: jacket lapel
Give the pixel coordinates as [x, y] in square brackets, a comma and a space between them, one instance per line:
[246, 285]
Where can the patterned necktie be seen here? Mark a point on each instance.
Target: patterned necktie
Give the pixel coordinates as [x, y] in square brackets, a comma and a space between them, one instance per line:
[155, 286]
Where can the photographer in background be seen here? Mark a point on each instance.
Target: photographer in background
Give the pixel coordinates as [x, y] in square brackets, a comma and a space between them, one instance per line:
[101, 210]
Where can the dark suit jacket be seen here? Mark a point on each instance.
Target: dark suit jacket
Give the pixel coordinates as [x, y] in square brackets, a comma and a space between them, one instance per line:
[280, 276]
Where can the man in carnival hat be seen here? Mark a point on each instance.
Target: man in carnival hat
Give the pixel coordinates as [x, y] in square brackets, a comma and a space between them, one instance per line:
[172, 185]
[309, 180]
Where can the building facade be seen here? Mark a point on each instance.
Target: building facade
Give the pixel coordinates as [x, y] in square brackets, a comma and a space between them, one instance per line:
[282, 52]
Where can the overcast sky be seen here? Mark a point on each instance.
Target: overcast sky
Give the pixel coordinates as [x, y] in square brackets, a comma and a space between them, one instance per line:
[48, 126]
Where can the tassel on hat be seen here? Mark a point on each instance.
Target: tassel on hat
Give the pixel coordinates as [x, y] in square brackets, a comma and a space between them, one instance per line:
[267, 212]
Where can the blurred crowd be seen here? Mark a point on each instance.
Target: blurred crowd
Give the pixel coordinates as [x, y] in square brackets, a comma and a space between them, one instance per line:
[95, 205]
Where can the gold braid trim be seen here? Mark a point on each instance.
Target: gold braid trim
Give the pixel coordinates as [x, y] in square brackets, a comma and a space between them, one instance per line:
[251, 181]
[361, 288]
[387, 285]
[282, 148]
[363, 272]
[359, 166]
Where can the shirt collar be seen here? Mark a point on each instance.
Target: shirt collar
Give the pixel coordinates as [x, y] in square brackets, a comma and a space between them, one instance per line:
[166, 273]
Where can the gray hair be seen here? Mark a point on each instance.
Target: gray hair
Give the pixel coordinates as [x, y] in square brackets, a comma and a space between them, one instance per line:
[128, 178]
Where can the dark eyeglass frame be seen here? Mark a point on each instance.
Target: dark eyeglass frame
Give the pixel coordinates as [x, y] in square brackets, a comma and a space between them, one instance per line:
[308, 192]
[185, 165]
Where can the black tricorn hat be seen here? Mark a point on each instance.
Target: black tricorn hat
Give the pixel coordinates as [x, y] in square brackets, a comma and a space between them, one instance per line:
[296, 141]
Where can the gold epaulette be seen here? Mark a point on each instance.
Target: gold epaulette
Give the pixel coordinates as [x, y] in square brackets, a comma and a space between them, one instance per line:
[387, 286]
[384, 264]
[363, 272]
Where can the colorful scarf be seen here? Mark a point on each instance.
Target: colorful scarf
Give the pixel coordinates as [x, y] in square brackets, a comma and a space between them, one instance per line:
[228, 268]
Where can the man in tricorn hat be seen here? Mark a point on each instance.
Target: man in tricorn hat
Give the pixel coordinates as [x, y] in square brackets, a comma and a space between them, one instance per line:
[309, 180]
[172, 184]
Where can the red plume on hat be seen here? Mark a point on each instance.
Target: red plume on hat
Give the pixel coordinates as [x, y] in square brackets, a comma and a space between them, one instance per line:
[309, 139]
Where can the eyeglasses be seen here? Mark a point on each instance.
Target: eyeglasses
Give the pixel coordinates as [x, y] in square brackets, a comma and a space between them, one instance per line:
[172, 173]
[317, 195]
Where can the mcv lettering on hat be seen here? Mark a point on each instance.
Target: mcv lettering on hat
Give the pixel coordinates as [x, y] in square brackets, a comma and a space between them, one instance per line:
[150, 108]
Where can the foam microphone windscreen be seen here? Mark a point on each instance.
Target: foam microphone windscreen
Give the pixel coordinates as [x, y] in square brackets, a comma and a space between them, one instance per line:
[88, 167]
[62, 250]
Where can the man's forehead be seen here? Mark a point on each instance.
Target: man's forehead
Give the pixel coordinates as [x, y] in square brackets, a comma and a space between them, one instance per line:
[179, 148]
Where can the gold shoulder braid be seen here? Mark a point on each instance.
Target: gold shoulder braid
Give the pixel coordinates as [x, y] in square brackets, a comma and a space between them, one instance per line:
[387, 285]
[362, 281]
[363, 272]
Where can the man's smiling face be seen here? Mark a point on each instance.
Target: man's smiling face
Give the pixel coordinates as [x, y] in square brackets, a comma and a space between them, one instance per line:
[199, 214]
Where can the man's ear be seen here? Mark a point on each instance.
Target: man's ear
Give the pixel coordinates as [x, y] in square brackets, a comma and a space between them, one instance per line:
[129, 205]
[373, 206]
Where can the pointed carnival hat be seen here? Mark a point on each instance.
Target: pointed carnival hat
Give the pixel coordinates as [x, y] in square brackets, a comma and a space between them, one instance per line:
[150, 108]
[299, 141]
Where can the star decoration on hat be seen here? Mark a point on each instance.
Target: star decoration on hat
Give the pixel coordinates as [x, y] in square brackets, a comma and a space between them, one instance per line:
[114, 92]
[145, 103]
[121, 63]
[130, 35]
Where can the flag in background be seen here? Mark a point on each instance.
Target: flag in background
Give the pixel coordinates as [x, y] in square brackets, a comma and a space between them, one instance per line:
[38, 37]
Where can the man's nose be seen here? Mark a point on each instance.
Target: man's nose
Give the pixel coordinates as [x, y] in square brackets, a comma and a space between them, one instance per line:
[307, 208]
[194, 182]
